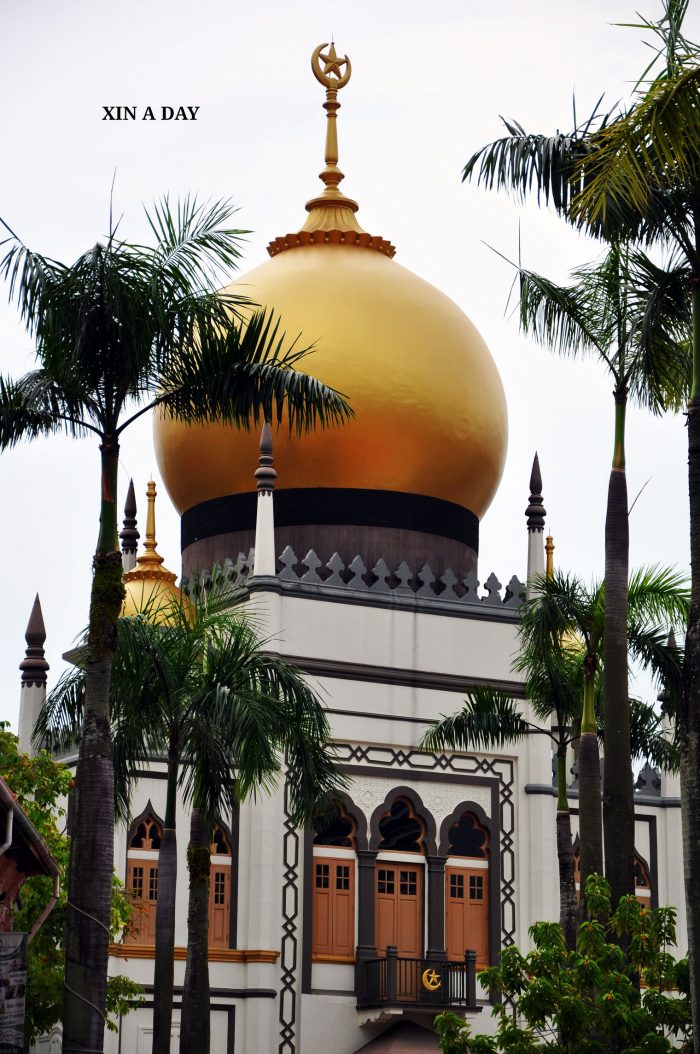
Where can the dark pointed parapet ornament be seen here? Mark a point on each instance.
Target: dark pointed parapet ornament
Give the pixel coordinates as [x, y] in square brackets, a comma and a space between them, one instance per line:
[34, 666]
[400, 582]
[648, 781]
[128, 535]
[535, 511]
[265, 474]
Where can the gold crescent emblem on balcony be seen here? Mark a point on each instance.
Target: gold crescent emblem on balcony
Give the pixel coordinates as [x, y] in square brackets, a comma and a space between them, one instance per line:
[431, 979]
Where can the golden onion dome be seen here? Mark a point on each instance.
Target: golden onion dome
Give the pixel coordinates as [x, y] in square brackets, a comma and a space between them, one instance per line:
[150, 587]
[430, 413]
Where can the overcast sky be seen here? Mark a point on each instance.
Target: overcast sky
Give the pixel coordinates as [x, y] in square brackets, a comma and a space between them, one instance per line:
[429, 83]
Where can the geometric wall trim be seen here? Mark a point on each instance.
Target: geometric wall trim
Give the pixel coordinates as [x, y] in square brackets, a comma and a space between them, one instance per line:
[423, 767]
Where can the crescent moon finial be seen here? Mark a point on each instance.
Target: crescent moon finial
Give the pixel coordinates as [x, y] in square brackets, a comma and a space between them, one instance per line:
[335, 72]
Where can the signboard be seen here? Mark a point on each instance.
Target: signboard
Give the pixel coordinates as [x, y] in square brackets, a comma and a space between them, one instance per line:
[13, 986]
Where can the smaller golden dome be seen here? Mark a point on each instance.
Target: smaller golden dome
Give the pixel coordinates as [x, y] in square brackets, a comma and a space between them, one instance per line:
[150, 587]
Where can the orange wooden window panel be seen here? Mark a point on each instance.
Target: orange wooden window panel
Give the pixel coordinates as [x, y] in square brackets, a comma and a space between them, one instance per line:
[142, 883]
[467, 913]
[333, 915]
[399, 908]
[219, 905]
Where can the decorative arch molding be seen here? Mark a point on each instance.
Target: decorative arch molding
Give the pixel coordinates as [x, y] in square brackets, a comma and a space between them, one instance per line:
[454, 817]
[356, 814]
[423, 814]
[228, 834]
[646, 870]
[149, 811]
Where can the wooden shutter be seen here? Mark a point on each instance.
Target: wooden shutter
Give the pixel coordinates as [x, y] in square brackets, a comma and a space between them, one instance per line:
[399, 908]
[142, 883]
[467, 913]
[219, 905]
[333, 915]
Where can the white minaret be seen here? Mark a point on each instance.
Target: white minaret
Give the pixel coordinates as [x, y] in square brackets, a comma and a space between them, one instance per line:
[129, 535]
[33, 667]
[265, 563]
[535, 513]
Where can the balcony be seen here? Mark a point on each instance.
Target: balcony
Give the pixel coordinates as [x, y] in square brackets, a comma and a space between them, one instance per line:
[421, 984]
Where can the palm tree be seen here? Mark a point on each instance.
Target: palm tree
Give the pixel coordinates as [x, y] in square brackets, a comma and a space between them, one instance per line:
[564, 169]
[622, 310]
[124, 329]
[561, 633]
[193, 683]
[490, 720]
[643, 173]
[636, 174]
[567, 615]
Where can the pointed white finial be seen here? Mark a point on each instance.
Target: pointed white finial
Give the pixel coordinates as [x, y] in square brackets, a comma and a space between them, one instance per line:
[129, 535]
[34, 667]
[265, 563]
[535, 513]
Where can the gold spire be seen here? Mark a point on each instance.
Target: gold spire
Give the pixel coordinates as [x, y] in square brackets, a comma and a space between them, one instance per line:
[331, 216]
[549, 550]
[148, 564]
[331, 209]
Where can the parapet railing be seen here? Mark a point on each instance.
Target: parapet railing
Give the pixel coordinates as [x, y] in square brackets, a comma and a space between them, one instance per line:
[420, 983]
[310, 574]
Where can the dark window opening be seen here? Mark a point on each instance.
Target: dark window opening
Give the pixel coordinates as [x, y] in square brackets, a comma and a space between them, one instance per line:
[401, 829]
[476, 887]
[457, 887]
[468, 838]
[146, 835]
[385, 880]
[340, 833]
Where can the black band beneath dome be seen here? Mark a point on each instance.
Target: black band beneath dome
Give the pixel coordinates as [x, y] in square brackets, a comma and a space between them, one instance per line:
[298, 506]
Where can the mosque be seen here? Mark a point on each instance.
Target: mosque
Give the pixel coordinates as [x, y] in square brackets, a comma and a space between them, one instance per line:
[358, 549]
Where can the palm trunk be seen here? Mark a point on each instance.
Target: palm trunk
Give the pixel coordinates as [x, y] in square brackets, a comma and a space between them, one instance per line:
[163, 973]
[618, 786]
[568, 909]
[690, 708]
[92, 840]
[194, 1024]
[590, 812]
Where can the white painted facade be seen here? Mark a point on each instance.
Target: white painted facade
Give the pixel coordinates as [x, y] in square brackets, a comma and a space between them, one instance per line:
[385, 668]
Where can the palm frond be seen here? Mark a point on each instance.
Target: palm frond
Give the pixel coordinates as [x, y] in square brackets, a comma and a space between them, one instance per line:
[649, 740]
[554, 686]
[488, 720]
[193, 245]
[655, 142]
[659, 595]
[660, 306]
[521, 162]
[61, 717]
[245, 375]
[558, 316]
[562, 615]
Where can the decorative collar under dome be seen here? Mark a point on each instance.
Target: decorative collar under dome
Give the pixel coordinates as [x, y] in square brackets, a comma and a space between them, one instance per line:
[331, 218]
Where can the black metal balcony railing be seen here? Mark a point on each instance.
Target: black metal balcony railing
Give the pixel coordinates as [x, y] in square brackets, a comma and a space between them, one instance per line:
[420, 983]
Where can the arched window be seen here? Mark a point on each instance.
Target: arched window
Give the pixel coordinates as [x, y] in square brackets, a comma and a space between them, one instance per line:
[220, 889]
[400, 880]
[467, 889]
[401, 830]
[333, 877]
[642, 881]
[143, 846]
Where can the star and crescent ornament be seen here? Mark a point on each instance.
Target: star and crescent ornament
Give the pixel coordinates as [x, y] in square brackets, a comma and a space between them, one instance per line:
[330, 74]
[431, 979]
